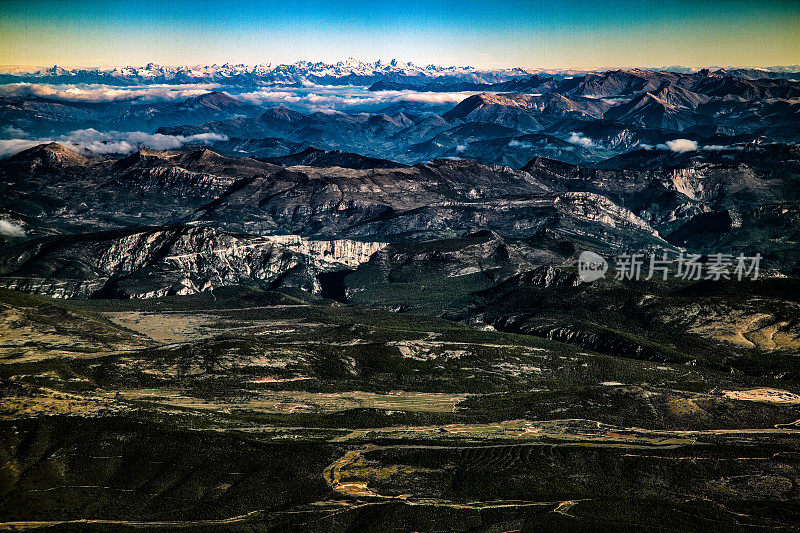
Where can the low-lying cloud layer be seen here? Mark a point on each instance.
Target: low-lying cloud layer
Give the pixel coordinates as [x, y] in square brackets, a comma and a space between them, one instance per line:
[9, 229]
[96, 93]
[116, 142]
[307, 97]
[9, 147]
[347, 97]
[110, 142]
[682, 145]
[515, 143]
[578, 139]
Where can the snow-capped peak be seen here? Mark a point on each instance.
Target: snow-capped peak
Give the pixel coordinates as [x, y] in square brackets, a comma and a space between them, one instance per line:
[350, 71]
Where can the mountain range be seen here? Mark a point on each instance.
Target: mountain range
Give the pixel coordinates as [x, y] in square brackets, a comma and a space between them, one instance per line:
[582, 119]
[350, 71]
[570, 125]
[236, 299]
[646, 199]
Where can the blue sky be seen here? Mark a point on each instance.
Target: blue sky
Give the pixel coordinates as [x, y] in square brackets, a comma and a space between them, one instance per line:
[550, 34]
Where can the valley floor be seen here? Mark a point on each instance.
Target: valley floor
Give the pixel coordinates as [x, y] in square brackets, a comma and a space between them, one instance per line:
[245, 411]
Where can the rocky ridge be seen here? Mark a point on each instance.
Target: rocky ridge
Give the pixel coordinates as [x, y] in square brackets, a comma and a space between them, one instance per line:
[180, 260]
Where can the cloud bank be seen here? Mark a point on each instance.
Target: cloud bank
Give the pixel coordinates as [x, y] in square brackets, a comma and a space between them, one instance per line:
[342, 98]
[96, 93]
[308, 96]
[578, 139]
[9, 147]
[514, 143]
[9, 229]
[681, 145]
[110, 142]
[116, 142]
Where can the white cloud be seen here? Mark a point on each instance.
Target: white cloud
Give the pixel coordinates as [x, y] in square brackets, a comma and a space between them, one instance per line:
[10, 229]
[306, 97]
[103, 147]
[429, 98]
[681, 145]
[265, 96]
[346, 97]
[116, 142]
[9, 147]
[111, 142]
[719, 147]
[514, 143]
[580, 140]
[204, 138]
[328, 111]
[11, 131]
[84, 92]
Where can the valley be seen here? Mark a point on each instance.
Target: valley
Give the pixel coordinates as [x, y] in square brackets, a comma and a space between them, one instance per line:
[397, 416]
[351, 297]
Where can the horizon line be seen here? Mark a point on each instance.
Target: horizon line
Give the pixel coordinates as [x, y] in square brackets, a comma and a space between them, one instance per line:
[111, 66]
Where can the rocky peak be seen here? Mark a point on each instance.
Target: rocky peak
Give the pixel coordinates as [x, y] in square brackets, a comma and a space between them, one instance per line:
[146, 157]
[50, 154]
[214, 100]
[282, 113]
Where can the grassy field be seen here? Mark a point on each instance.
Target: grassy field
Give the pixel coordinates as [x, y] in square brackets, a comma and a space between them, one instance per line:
[263, 411]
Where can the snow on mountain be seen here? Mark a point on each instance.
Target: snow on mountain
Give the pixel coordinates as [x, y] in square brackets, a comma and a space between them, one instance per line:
[348, 72]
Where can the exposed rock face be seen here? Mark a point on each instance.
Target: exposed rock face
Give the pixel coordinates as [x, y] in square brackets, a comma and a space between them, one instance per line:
[183, 260]
[441, 199]
[340, 252]
[55, 288]
[543, 276]
[632, 205]
[674, 194]
[595, 208]
[179, 181]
